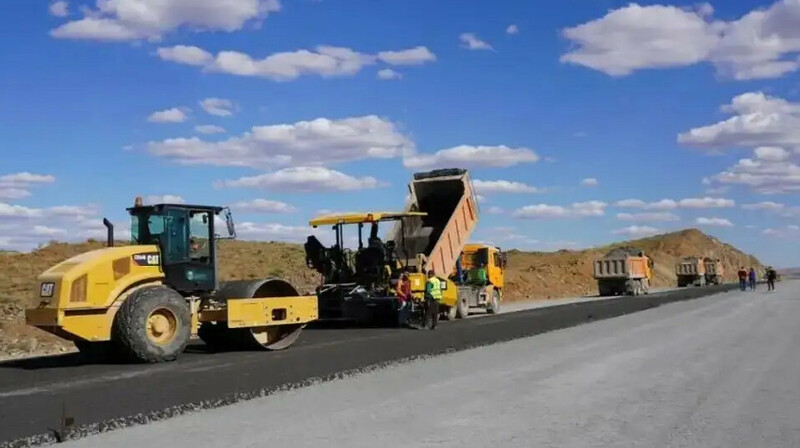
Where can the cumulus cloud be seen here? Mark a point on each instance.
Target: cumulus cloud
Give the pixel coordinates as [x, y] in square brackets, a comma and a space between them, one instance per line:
[125, 20]
[590, 182]
[669, 204]
[314, 142]
[512, 29]
[503, 186]
[25, 228]
[472, 42]
[759, 121]
[18, 185]
[786, 232]
[664, 204]
[636, 231]
[714, 222]
[303, 179]
[472, 156]
[209, 129]
[706, 203]
[768, 206]
[59, 9]
[576, 210]
[388, 73]
[761, 44]
[324, 60]
[173, 115]
[412, 56]
[771, 153]
[763, 176]
[263, 206]
[648, 217]
[496, 210]
[218, 106]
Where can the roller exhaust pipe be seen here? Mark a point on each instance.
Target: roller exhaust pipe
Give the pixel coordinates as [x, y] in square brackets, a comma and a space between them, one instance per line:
[110, 237]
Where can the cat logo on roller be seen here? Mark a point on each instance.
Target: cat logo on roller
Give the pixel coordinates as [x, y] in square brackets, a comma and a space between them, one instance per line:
[151, 259]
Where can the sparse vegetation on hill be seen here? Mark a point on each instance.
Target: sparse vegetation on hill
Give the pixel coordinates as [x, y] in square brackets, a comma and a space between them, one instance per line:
[530, 275]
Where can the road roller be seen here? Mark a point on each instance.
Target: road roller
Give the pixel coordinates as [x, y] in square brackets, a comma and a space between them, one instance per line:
[144, 301]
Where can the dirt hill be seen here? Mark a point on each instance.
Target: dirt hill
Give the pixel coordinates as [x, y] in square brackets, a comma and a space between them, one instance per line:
[530, 275]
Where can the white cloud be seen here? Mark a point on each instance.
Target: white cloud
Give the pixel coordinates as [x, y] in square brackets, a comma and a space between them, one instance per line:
[706, 203]
[218, 106]
[47, 231]
[590, 182]
[512, 29]
[277, 232]
[636, 231]
[324, 60]
[576, 210]
[771, 153]
[187, 55]
[496, 210]
[481, 156]
[639, 37]
[314, 142]
[759, 121]
[209, 129]
[503, 186]
[786, 232]
[263, 206]
[18, 185]
[669, 204]
[648, 217]
[164, 199]
[714, 222]
[173, 115]
[303, 179]
[768, 206]
[122, 20]
[18, 211]
[413, 56]
[59, 8]
[388, 73]
[473, 42]
[762, 44]
[14, 193]
[762, 176]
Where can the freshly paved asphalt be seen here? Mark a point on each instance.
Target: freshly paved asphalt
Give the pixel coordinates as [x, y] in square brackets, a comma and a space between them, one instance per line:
[34, 393]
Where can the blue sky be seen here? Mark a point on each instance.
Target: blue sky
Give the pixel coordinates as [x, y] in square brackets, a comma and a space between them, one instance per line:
[683, 114]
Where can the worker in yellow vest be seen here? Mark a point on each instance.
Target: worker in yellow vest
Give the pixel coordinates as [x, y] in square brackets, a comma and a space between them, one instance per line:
[433, 295]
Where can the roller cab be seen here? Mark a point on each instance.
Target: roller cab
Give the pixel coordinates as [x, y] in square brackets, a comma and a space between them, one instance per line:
[144, 301]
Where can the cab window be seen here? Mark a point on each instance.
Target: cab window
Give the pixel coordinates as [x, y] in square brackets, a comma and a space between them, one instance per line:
[199, 233]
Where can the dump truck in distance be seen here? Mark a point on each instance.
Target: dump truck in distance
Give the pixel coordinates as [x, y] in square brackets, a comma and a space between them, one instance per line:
[714, 271]
[690, 271]
[623, 271]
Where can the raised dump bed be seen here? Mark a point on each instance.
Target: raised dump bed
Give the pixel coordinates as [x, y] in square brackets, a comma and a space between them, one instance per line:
[623, 271]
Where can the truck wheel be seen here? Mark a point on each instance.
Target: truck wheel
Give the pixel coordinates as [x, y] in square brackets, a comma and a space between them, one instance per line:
[451, 312]
[462, 309]
[152, 325]
[494, 304]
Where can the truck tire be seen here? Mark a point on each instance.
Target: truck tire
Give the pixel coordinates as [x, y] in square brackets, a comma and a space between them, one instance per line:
[451, 312]
[152, 325]
[493, 307]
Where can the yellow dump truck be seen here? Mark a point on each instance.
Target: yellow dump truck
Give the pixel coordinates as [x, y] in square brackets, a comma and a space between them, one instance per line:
[691, 271]
[142, 302]
[624, 270]
[714, 271]
[480, 278]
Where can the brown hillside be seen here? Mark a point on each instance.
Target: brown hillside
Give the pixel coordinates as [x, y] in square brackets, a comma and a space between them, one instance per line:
[531, 275]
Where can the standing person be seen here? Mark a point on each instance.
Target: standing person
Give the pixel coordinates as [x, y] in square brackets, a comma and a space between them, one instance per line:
[433, 295]
[403, 292]
[742, 279]
[771, 276]
[752, 278]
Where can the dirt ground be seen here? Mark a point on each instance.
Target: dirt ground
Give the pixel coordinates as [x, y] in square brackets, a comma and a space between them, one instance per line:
[529, 276]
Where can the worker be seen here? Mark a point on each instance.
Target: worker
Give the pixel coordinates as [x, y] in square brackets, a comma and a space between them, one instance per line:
[772, 275]
[742, 278]
[403, 293]
[433, 295]
[752, 278]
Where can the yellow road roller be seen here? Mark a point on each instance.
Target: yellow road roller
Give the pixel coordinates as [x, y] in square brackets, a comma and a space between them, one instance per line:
[143, 302]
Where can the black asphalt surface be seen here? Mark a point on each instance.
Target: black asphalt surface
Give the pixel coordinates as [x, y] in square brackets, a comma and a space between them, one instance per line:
[101, 397]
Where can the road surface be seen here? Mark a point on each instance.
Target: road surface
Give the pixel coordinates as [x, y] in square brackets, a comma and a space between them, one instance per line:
[720, 371]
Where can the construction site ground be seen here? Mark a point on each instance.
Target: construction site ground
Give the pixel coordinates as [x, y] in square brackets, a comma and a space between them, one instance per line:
[719, 371]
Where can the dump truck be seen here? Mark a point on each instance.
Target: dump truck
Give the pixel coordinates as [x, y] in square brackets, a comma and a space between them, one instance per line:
[691, 271]
[428, 235]
[142, 302]
[623, 271]
[480, 278]
[714, 271]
